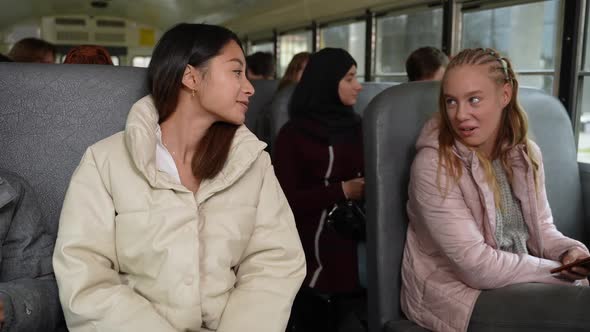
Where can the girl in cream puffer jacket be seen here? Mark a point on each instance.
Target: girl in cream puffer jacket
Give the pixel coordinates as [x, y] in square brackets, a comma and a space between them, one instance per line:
[139, 251]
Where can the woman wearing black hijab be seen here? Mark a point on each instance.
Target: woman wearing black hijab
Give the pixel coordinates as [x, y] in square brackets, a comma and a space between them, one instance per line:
[319, 162]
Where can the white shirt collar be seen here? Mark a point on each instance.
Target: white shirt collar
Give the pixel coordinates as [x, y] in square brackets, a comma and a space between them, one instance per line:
[164, 160]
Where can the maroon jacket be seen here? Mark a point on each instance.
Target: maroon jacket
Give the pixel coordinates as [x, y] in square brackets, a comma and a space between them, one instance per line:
[310, 170]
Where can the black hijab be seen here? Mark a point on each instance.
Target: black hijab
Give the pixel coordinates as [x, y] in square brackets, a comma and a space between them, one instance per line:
[316, 96]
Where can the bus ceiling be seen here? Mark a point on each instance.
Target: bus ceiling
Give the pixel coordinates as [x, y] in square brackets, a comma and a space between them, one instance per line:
[243, 16]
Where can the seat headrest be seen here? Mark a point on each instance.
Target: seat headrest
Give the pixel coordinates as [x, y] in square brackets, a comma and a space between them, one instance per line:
[52, 113]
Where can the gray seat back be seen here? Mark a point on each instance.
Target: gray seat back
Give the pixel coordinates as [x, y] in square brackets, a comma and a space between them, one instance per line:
[369, 91]
[264, 91]
[392, 123]
[50, 114]
[551, 129]
[389, 136]
[279, 110]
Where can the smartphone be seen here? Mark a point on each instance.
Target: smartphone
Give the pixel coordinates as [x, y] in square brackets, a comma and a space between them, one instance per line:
[584, 262]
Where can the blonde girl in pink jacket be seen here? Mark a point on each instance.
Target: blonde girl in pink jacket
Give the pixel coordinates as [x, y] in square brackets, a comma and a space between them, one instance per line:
[478, 211]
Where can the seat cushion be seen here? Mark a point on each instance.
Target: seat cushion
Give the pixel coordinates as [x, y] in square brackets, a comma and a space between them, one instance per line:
[532, 307]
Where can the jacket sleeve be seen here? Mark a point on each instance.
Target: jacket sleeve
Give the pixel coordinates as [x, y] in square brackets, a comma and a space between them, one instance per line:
[29, 294]
[288, 163]
[85, 262]
[447, 222]
[271, 270]
[30, 305]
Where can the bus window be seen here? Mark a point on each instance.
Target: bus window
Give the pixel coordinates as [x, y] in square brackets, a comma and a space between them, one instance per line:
[583, 107]
[351, 37]
[141, 61]
[526, 33]
[291, 44]
[398, 35]
[262, 47]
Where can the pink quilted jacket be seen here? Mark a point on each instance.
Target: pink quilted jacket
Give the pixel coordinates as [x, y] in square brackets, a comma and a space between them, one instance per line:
[451, 252]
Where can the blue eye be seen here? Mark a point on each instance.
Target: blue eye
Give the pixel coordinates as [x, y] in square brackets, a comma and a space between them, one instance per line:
[474, 100]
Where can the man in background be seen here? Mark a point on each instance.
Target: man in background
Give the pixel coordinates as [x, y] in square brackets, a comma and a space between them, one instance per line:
[426, 64]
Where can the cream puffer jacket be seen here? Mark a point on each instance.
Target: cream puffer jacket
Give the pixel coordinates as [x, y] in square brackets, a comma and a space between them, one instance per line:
[138, 252]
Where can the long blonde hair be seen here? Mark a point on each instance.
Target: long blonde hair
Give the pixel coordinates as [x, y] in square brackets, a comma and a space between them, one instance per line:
[513, 129]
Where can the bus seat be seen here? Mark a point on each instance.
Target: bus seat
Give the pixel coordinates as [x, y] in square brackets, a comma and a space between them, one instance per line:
[551, 128]
[392, 122]
[264, 91]
[50, 114]
[279, 110]
[369, 91]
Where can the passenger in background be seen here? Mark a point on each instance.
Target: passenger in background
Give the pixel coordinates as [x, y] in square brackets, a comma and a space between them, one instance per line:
[32, 50]
[260, 66]
[29, 298]
[426, 64]
[319, 163]
[294, 70]
[88, 54]
[178, 223]
[292, 76]
[479, 215]
[4, 58]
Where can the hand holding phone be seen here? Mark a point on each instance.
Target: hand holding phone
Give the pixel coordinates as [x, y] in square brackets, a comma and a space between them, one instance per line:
[584, 262]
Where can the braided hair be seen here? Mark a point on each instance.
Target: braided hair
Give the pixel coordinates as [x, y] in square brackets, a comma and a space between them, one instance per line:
[512, 131]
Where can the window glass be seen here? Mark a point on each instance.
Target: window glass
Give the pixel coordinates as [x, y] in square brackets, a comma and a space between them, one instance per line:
[584, 127]
[543, 82]
[291, 44]
[262, 47]
[141, 61]
[586, 61]
[350, 37]
[526, 33]
[583, 106]
[399, 35]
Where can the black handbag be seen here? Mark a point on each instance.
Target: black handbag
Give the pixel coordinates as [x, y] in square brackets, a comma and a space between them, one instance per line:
[348, 219]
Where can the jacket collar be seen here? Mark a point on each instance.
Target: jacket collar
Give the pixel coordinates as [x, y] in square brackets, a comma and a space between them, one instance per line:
[141, 140]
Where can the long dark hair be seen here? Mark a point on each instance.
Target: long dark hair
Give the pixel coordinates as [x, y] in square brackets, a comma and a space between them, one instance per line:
[195, 45]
